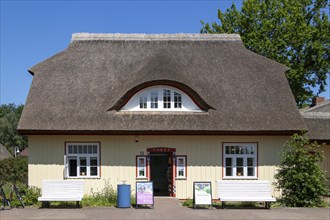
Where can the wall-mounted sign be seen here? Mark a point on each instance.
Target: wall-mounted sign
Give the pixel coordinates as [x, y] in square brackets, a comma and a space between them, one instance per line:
[144, 193]
[202, 193]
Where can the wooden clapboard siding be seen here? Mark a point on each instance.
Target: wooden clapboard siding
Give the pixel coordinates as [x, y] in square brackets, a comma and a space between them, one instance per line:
[118, 153]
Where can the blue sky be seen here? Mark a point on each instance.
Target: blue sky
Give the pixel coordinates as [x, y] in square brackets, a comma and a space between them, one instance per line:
[32, 31]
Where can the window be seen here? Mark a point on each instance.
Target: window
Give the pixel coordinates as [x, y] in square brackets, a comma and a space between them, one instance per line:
[161, 98]
[240, 160]
[153, 99]
[181, 167]
[177, 100]
[141, 167]
[143, 101]
[82, 160]
[167, 98]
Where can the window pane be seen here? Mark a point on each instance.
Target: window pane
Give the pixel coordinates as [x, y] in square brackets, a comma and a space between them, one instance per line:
[239, 162]
[93, 161]
[233, 150]
[154, 99]
[83, 171]
[250, 162]
[94, 149]
[72, 166]
[227, 150]
[177, 100]
[80, 149]
[90, 149]
[85, 149]
[229, 171]
[70, 149]
[141, 172]
[181, 172]
[229, 162]
[250, 171]
[83, 161]
[75, 150]
[167, 98]
[93, 171]
[143, 101]
[240, 171]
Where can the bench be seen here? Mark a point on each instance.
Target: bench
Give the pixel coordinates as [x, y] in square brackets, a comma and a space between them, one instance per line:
[245, 191]
[62, 190]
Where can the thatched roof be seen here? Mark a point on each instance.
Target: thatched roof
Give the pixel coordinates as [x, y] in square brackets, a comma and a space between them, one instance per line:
[81, 89]
[317, 119]
[4, 153]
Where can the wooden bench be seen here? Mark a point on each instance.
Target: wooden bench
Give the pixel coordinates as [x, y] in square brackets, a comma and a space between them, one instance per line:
[62, 190]
[245, 190]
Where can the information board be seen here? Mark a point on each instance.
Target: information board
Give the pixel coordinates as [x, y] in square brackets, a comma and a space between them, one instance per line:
[144, 193]
[202, 193]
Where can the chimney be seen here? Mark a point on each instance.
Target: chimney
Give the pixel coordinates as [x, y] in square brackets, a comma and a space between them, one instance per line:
[317, 100]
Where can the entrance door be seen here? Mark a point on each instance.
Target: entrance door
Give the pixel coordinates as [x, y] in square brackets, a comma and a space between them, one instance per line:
[161, 173]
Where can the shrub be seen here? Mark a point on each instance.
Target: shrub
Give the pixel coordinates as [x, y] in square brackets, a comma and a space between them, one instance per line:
[300, 178]
[14, 169]
[106, 197]
[31, 195]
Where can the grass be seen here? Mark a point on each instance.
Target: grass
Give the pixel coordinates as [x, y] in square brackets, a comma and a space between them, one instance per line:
[230, 205]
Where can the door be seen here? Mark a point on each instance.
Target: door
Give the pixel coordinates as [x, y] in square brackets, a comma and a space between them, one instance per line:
[161, 173]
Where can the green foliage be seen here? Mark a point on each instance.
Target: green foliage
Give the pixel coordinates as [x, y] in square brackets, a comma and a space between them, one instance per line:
[14, 169]
[189, 203]
[300, 178]
[294, 33]
[106, 197]
[9, 137]
[30, 196]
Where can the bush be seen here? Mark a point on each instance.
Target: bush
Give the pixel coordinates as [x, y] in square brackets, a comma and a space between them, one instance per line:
[300, 178]
[30, 196]
[14, 169]
[106, 197]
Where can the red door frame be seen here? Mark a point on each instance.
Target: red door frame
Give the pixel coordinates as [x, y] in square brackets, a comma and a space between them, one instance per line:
[171, 153]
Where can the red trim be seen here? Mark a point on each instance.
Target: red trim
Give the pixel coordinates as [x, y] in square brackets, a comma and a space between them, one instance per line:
[161, 150]
[170, 152]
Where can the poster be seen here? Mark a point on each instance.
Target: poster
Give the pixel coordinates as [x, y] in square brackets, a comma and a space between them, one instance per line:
[202, 193]
[144, 193]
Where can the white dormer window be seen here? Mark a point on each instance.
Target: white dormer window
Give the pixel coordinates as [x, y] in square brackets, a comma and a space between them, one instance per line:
[161, 98]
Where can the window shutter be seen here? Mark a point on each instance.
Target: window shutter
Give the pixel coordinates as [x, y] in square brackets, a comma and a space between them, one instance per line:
[65, 171]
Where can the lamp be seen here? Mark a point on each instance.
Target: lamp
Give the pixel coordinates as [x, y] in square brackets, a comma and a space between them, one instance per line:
[16, 151]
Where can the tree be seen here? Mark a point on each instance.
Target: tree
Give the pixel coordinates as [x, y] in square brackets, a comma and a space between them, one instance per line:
[294, 33]
[300, 178]
[9, 136]
[14, 169]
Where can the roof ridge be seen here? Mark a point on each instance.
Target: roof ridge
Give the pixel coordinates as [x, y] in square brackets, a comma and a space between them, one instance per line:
[153, 37]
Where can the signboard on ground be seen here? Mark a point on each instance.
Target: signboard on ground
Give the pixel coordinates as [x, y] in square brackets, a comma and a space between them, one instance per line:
[144, 193]
[202, 193]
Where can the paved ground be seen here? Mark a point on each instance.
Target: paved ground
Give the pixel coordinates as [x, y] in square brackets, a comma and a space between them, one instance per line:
[166, 208]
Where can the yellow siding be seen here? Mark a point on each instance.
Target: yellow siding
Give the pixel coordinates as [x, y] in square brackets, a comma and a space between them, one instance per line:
[326, 162]
[204, 158]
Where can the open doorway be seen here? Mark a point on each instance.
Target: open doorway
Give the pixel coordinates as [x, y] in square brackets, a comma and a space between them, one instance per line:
[161, 173]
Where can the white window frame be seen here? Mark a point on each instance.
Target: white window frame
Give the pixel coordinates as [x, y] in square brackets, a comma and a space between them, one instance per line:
[78, 155]
[178, 103]
[181, 167]
[244, 151]
[141, 166]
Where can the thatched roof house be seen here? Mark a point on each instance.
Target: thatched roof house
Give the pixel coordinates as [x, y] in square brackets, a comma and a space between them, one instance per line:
[4, 153]
[317, 118]
[167, 108]
[82, 89]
